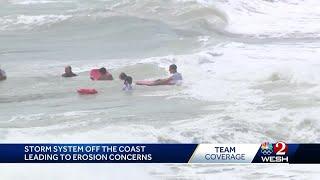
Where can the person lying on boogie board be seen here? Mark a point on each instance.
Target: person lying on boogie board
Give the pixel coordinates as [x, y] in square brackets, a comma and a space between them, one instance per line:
[104, 74]
[174, 79]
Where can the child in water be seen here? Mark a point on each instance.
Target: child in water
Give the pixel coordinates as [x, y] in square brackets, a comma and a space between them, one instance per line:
[127, 82]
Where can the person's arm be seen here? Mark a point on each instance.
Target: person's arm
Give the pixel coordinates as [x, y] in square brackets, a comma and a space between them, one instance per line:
[165, 81]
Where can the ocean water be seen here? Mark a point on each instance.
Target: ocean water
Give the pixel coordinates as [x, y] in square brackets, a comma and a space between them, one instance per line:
[250, 68]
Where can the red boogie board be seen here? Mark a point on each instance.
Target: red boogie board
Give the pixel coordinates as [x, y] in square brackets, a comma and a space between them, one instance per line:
[84, 91]
[95, 74]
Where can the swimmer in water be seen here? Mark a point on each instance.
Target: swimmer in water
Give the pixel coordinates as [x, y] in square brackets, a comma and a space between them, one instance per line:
[3, 75]
[68, 72]
[104, 74]
[174, 79]
[127, 81]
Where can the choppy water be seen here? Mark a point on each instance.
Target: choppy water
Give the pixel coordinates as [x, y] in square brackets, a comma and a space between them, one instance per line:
[251, 70]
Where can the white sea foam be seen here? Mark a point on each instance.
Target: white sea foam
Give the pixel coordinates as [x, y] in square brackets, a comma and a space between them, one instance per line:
[32, 2]
[29, 21]
[286, 19]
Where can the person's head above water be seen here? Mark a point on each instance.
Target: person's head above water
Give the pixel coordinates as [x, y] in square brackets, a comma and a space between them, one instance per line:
[68, 72]
[103, 70]
[104, 75]
[126, 78]
[123, 76]
[3, 75]
[68, 69]
[173, 68]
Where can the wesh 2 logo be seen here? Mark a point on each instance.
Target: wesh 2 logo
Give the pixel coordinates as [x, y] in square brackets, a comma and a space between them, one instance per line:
[274, 153]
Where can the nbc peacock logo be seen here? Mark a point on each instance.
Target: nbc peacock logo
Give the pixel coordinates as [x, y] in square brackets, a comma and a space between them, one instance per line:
[266, 148]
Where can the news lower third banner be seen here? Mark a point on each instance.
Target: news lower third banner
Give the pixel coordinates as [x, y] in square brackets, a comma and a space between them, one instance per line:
[279, 152]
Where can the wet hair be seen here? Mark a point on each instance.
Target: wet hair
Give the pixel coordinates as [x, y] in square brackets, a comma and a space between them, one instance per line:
[173, 66]
[103, 70]
[123, 76]
[128, 80]
[68, 67]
